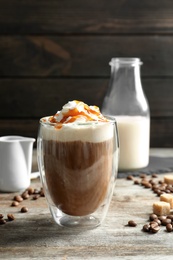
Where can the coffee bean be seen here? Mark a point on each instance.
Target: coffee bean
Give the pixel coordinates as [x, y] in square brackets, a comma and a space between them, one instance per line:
[154, 175]
[36, 196]
[161, 218]
[169, 227]
[154, 227]
[130, 177]
[167, 191]
[15, 203]
[146, 227]
[155, 190]
[136, 182]
[42, 192]
[25, 195]
[18, 198]
[24, 209]
[161, 182]
[142, 175]
[170, 216]
[147, 185]
[1, 216]
[30, 191]
[155, 186]
[157, 221]
[10, 217]
[132, 223]
[159, 192]
[153, 217]
[166, 221]
[152, 182]
[2, 221]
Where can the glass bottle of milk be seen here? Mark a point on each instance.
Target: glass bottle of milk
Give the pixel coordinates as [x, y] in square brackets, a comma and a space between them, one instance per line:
[126, 101]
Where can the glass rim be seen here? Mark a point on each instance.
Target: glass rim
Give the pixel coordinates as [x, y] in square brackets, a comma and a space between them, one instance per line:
[111, 119]
[125, 61]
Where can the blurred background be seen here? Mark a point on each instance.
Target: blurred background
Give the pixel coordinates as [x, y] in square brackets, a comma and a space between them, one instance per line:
[53, 51]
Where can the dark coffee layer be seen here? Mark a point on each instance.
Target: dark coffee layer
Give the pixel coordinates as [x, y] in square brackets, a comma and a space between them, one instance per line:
[78, 174]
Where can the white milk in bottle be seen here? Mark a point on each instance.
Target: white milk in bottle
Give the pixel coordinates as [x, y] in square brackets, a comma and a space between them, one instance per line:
[125, 99]
[134, 134]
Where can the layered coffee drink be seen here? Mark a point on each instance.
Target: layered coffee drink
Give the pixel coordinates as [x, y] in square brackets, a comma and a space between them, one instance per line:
[78, 148]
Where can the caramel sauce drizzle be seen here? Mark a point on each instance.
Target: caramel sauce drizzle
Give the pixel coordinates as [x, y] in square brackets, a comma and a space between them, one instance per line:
[73, 114]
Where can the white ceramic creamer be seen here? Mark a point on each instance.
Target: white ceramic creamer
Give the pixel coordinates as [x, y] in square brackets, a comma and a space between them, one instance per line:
[15, 162]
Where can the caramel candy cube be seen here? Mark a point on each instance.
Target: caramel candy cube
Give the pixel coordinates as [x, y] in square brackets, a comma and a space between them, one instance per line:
[167, 198]
[168, 179]
[161, 208]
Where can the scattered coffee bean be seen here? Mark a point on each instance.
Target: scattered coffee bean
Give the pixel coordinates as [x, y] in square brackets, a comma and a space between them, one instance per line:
[152, 182]
[24, 209]
[148, 185]
[144, 182]
[1, 216]
[42, 193]
[18, 198]
[146, 228]
[14, 203]
[154, 175]
[166, 221]
[25, 195]
[158, 221]
[142, 175]
[167, 191]
[170, 216]
[36, 196]
[130, 177]
[2, 221]
[154, 227]
[153, 217]
[161, 218]
[132, 223]
[10, 217]
[136, 182]
[169, 227]
[155, 186]
[30, 191]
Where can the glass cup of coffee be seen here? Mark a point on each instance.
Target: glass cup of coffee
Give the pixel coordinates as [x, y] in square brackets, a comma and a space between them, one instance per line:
[78, 166]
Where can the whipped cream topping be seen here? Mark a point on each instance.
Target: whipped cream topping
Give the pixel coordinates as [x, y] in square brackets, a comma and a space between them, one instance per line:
[77, 111]
[77, 122]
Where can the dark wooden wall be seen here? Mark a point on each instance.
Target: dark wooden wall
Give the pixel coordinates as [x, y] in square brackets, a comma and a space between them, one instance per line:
[52, 51]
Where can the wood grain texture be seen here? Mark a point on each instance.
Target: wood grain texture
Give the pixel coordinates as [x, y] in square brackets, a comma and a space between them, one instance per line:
[35, 235]
[39, 97]
[98, 17]
[24, 101]
[82, 56]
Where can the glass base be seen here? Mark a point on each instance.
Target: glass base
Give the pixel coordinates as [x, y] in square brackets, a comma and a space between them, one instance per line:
[77, 222]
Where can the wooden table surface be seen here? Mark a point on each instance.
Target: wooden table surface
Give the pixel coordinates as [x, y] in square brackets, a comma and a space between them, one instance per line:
[34, 235]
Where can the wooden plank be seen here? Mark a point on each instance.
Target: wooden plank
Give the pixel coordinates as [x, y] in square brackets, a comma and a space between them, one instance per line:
[97, 16]
[35, 235]
[44, 56]
[161, 132]
[34, 98]
[160, 136]
[25, 127]
[37, 98]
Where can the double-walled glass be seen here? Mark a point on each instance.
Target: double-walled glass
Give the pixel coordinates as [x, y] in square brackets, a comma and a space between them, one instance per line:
[78, 166]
